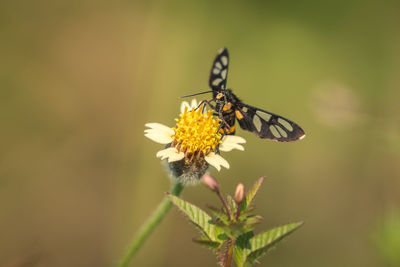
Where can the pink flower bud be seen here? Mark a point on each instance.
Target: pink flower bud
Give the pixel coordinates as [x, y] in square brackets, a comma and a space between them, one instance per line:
[239, 193]
[210, 182]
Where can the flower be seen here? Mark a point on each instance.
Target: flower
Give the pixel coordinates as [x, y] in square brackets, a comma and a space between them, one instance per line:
[194, 142]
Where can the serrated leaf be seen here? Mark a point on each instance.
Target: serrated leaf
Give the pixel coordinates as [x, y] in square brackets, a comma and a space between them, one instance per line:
[255, 247]
[197, 216]
[251, 220]
[246, 213]
[251, 194]
[231, 205]
[263, 242]
[219, 215]
[242, 248]
[205, 242]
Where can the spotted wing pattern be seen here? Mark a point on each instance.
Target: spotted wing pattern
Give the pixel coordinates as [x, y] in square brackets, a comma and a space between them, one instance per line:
[267, 125]
[219, 71]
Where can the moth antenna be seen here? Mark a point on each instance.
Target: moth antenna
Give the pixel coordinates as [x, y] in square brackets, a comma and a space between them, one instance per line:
[196, 94]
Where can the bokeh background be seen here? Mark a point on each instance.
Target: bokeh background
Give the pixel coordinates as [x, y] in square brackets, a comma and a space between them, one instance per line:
[79, 79]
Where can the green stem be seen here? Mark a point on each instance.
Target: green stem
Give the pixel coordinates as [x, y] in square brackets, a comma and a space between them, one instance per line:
[229, 253]
[148, 227]
[225, 205]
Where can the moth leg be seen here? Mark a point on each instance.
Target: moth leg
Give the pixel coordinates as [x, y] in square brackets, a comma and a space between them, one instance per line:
[206, 102]
[223, 125]
[224, 129]
[224, 122]
[221, 117]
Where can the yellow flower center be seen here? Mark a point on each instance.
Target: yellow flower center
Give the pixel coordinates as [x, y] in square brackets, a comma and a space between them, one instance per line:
[196, 132]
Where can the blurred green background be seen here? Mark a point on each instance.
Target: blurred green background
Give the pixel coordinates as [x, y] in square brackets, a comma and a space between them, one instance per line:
[79, 79]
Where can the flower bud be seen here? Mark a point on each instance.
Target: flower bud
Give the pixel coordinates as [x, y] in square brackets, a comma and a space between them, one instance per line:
[239, 193]
[210, 182]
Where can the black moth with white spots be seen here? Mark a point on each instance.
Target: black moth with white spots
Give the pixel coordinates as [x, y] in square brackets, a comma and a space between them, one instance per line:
[228, 107]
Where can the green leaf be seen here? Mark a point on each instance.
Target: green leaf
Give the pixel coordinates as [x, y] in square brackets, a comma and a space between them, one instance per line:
[263, 242]
[242, 248]
[231, 205]
[205, 242]
[246, 213]
[219, 215]
[249, 248]
[251, 194]
[197, 216]
[255, 219]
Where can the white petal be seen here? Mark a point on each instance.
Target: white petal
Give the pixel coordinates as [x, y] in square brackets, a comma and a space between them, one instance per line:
[169, 134]
[234, 139]
[216, 161]
[153, 131]
[212, 162]
[166, 152]
[161, 127]
[193, 104]
[176, 157]
[157, 131]
[230, 147]
[171, 154]
[183, 105]
[230, 142]
[159, 138]
[222, 161]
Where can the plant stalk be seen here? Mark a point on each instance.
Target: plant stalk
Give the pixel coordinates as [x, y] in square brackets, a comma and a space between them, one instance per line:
[224, 204]
[229, 253]
[220, 258]
[148, 227]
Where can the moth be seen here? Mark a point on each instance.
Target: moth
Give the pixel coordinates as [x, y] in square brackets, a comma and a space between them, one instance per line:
[229, 108]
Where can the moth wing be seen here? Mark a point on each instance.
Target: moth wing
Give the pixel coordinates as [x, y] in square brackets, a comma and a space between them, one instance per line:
[219, 71]
[267, 125]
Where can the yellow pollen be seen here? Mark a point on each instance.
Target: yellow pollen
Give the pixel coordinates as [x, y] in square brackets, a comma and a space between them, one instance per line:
[196, 132]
